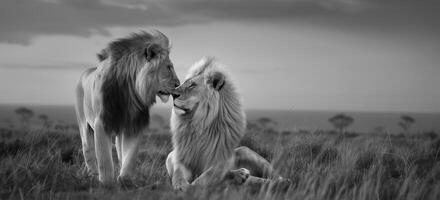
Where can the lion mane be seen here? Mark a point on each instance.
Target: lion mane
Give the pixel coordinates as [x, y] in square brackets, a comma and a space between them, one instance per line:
[209, 135]
[127, 93]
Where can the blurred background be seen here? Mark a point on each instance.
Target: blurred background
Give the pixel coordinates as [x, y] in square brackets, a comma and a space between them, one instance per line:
[297, 63]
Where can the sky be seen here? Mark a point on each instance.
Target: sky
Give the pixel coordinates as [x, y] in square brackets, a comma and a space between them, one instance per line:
[339, 55]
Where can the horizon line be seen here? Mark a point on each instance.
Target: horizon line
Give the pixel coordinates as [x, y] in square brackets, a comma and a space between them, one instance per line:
[259, 109]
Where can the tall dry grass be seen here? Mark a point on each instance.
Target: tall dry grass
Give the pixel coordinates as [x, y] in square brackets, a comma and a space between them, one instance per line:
[321, 165]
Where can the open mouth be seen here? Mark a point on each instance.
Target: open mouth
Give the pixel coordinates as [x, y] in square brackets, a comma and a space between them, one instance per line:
[164, 96]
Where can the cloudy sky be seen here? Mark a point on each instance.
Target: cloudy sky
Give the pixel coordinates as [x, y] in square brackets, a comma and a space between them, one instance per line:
[374, 55]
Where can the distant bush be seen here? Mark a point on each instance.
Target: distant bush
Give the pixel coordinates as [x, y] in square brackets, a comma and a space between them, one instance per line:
[12, 148]
[431, 134]
[393, 165]
[366, 160]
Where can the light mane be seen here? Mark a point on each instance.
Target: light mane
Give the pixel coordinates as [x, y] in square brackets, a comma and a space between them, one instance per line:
[211, 133]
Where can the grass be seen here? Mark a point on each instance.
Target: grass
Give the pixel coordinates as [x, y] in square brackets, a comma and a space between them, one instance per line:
[321, 165]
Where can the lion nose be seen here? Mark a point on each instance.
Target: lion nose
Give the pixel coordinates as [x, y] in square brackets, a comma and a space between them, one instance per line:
[175, 96]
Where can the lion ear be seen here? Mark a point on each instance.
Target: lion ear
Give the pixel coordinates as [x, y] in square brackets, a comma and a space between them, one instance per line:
[152, 51]
[102, 55]
[216, 80]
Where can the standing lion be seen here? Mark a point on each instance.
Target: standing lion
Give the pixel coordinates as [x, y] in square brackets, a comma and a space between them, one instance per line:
[207, 124]
[115, 98]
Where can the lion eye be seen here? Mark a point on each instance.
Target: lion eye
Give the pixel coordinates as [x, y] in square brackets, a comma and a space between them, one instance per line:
[192, 85]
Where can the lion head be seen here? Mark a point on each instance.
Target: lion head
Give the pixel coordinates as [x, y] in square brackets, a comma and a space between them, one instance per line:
[136, 70]
[205, 90]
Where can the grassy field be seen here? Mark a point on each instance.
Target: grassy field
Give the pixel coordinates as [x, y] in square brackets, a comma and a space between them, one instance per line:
[45, 164]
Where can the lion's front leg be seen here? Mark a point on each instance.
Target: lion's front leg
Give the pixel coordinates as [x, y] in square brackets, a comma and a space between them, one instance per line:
[238, 176]
[257, 165]
[179, 179]
[222, 172]
[130, 148]
[118, 145]
[103, 145]
[178, 172]
[214, 176]
[88, 148]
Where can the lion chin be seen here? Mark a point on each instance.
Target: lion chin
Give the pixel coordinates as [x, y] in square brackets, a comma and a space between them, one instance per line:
[180, 110]
[164, 97]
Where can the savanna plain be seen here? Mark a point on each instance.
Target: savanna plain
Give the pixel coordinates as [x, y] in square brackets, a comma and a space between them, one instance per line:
[45, 162]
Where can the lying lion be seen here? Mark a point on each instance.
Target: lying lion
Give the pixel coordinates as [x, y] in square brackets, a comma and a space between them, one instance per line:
[207, 124]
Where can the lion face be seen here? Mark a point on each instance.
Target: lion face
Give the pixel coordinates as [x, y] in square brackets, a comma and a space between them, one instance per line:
[166, 80]
[200, 87]
[188, 95]
[141, 65]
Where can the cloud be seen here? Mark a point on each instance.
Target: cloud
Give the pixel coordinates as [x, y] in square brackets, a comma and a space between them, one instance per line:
[49, 66]
[23, 20]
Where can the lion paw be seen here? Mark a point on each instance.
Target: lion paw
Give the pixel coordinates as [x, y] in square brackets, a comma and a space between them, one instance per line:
[126, 182]
[182, 188]
[180, 185]
[89, 173]
[239, 176]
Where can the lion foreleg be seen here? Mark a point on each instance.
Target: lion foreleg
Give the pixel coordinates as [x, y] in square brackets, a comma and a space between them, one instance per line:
[180, 178]
[88, 147]
[169, 163]
[222, 172]
[257, 165]
[178, 173]
[103, 145]
[130, 147]
[118, 145]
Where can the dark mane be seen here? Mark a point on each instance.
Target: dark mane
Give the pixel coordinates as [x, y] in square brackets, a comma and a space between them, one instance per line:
[124, 111]
[133, 45]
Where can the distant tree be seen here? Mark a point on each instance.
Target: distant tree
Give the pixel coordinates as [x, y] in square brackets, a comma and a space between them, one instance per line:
[25, 115]
[266, 123]
[44, 120]
[406, 122]
[341, 122]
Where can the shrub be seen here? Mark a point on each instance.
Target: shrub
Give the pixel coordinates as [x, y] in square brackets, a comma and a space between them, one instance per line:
[393, 165]
[365, 161]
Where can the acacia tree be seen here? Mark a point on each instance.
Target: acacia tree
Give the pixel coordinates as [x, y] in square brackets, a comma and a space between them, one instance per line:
[44, 120]
[25, 115]
[341, 122]
[406, 122]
